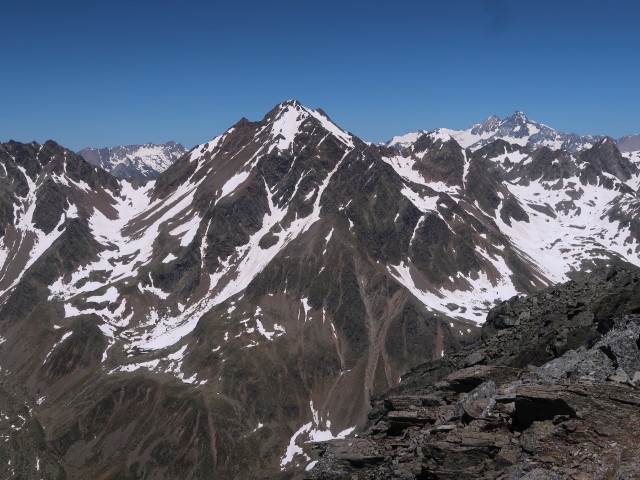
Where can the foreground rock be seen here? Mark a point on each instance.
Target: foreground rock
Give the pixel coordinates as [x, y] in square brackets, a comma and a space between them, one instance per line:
[575, 415]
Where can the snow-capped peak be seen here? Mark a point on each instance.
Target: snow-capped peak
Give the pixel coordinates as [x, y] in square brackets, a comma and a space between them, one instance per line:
[406, 140]
[440, 134]
[519, 115]
[146, 161]
[287, 118]
[516, 129]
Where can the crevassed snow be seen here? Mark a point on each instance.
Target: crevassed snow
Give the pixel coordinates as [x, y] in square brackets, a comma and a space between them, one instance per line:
[156, 157]
[440, 134]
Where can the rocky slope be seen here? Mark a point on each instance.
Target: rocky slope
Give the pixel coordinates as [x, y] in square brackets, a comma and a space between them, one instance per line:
[257, 293]
[135, 161]
[551, 392]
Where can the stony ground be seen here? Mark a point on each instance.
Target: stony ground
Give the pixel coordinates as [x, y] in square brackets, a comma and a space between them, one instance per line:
[573, 416]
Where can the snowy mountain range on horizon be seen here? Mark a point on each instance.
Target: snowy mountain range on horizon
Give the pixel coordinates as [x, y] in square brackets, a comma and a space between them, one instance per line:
[142, 161]
[149, 160]
[518, 129]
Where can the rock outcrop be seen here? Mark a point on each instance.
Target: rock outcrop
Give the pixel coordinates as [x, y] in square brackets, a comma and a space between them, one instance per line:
[570, 412]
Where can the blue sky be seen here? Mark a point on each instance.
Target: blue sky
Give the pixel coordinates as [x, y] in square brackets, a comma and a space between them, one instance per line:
[121, 72]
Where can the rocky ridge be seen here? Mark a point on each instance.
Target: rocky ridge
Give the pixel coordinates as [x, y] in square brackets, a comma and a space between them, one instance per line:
[519, 130]
[551, 392]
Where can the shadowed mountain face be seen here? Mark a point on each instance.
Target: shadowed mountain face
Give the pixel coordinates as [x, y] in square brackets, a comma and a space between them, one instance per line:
[134, 161]
[256, 294]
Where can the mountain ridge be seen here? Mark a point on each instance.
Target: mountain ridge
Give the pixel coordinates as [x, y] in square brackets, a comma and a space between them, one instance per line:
[140, 161]
[517, 129]
[273, 279]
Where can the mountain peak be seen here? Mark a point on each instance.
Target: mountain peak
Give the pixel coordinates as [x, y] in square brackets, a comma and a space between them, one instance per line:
[518, 115]
[293, 103]
[605, 140]
[287, 118]
[491, 123]
[288, 107]
[439, 134]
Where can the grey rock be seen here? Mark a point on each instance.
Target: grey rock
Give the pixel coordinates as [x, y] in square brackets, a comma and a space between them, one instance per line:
[541, 474]
[474, 358]
[533, 422]
[477, 403]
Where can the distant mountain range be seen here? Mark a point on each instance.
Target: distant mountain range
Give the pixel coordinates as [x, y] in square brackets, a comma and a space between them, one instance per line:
[517, 130]
[253, 297]
[149, 160]
[142, 161]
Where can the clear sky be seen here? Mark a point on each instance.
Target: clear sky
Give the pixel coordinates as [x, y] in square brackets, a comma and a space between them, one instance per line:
[117, 72]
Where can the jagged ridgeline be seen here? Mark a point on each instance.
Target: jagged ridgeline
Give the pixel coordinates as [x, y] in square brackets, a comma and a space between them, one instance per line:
[134, 161]
[258, 293]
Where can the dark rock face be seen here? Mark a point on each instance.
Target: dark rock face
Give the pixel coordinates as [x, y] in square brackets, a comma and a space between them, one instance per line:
[605, 157]
[441, 161]
[575, 416]
[83, 348]
[25, 452]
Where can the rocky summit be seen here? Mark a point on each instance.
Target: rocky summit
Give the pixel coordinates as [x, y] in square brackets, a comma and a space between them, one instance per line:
[251, 300]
